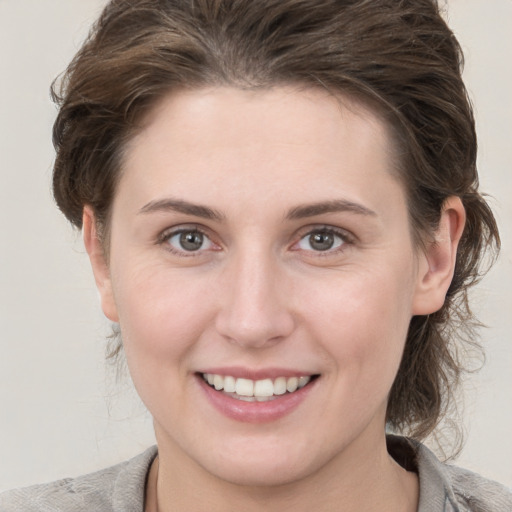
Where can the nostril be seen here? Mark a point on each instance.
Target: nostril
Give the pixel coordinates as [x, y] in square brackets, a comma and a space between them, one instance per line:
[255, 332]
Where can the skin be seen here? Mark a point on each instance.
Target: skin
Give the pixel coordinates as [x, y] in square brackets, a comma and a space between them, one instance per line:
[259, 295]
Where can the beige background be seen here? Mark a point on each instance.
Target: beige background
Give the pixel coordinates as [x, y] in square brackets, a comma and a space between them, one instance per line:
[61, 411]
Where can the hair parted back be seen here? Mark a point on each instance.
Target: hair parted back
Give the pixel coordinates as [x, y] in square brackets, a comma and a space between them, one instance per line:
[398, 56]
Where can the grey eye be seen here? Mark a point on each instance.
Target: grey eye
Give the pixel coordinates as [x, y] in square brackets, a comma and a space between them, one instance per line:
[321, 241]
[189, 241]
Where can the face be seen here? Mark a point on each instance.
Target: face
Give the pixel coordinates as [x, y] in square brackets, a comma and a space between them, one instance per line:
[260, 241]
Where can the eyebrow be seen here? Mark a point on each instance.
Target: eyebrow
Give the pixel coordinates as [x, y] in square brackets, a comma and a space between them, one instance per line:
[178, 205]
[334, 206]
[298, 212]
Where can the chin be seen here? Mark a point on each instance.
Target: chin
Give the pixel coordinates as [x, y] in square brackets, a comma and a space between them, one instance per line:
[254, 474]
[264, 465]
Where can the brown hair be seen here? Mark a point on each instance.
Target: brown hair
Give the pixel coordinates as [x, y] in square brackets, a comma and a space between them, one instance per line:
[399, 56]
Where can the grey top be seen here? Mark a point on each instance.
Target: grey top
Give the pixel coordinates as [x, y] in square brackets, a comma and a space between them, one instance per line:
[443, 488]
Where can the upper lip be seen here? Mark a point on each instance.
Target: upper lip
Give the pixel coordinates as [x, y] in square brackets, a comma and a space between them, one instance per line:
[239, 372]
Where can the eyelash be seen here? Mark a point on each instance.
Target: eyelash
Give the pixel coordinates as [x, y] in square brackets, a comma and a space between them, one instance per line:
[168, 234]
[345, 237]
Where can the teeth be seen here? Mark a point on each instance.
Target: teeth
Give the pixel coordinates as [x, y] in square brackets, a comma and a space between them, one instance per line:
[280, 386]
[303, 381]
[244, 387]
[261, 390]
[218, 382]
[229, 384]
[292, 384]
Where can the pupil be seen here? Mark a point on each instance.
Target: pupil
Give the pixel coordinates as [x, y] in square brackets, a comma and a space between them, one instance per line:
[191, 241]
[321, 241]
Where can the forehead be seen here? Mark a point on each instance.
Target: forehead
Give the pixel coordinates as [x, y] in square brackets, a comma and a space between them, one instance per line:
[262, 114]
[220, 140]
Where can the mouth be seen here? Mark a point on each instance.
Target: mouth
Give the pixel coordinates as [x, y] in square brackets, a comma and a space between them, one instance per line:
[263, 390]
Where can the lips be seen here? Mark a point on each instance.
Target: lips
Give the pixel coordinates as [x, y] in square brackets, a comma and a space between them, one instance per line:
[266, 397]
[255, 390]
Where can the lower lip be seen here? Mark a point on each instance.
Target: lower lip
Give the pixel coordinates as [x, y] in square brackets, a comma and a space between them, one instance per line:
[255, 412]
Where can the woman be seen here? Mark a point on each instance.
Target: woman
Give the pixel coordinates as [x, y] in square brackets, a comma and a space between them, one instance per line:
[280, 203]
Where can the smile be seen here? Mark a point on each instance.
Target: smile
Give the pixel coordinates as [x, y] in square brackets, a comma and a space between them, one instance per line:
[255, 390]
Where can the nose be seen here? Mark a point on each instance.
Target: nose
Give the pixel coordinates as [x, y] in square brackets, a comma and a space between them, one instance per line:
[255, 308]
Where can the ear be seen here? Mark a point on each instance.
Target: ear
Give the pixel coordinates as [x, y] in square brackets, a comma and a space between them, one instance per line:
[437, 261]
[99, 265]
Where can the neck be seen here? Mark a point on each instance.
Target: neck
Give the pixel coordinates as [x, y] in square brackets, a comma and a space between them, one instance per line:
[364, 477]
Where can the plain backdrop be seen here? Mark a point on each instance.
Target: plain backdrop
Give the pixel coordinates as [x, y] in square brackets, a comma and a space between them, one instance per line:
[62, 411]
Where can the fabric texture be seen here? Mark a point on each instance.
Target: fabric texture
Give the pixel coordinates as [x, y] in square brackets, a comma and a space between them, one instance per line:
[443, 488]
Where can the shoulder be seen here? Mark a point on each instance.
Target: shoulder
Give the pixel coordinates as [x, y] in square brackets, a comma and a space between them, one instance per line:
[464, 491]
[477, 493]
[119, 487]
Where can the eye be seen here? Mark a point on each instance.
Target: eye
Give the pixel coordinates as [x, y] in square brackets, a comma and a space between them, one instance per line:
[321, 240]
[188, 240]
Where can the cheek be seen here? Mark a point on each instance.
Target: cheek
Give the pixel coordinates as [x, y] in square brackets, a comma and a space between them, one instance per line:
[161, 318]
[362, 321]
[160, 313]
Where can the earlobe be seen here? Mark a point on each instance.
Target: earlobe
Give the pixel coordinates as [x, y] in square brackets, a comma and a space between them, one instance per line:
[99, 265]
[437, 262]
